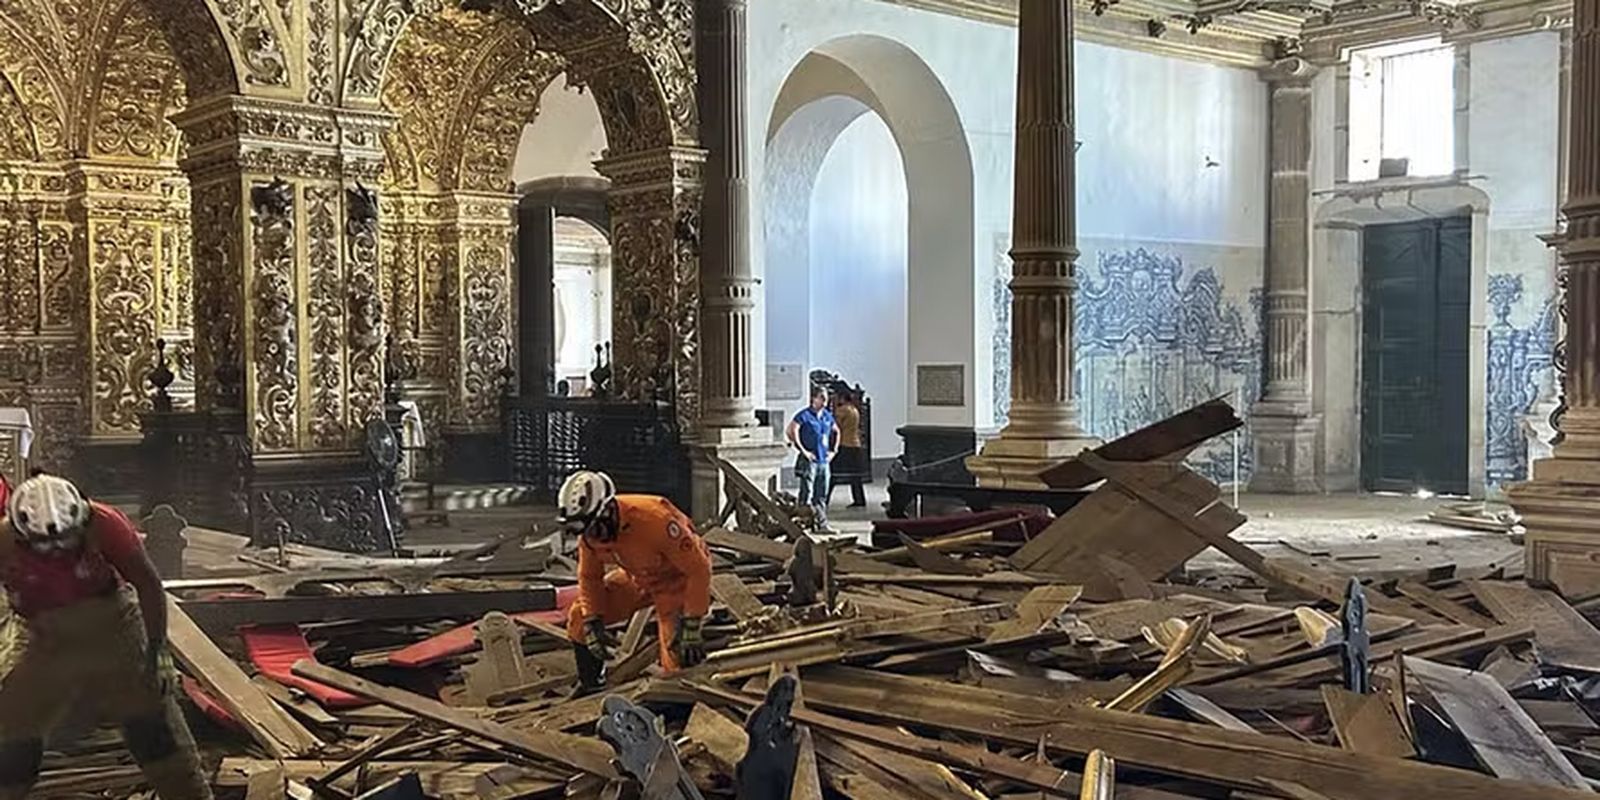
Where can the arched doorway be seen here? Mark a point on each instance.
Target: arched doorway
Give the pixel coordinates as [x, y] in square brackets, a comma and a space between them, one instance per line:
[868, 219]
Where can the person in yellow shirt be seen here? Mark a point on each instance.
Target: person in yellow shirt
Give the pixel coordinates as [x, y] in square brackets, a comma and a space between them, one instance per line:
[853, 463]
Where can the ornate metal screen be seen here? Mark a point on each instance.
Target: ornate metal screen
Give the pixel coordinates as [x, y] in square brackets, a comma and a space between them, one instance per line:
[637, 444]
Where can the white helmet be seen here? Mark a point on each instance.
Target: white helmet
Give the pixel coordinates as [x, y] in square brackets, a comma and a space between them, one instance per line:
[48, 513]
[584, 495]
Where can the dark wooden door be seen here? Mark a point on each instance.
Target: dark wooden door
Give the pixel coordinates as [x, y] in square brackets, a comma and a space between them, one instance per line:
[1416, 295]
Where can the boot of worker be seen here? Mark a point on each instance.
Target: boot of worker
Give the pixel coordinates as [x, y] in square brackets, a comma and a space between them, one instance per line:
[591, 670]
[19, 767]
[165, 751]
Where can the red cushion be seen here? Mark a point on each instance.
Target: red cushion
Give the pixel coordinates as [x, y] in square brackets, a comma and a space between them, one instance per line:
[456, 641]
[275, 648]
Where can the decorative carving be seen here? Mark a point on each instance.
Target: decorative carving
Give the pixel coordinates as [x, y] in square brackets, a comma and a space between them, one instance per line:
[259, 41]
[340, 516]
[275, 358]
[321, 30]
[485, 326]
[379, 27]
[325, 319]
[367, 333]
[219, 326]
[124, 298]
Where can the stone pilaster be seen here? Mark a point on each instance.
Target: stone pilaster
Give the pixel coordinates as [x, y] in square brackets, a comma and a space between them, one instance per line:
[1560, 504]
[1044, 427]
[289, 326]
[1286, 430]
[728, 286]
[728, 420]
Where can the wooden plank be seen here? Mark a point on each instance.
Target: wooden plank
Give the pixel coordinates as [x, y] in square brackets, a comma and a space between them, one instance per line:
[729, 589]
[758, 498]
[1204, 710]
[230, 614]
[1565, 639]
[263, 719]
[724, 740]
[1038, 608]
[1040, 777]
[1168, 746]
[1365, 723]
[585, 755]
[916, 777]
[807, 783]
[845, 755]
[1169, 438]
[1500, 733]
[1443, 606]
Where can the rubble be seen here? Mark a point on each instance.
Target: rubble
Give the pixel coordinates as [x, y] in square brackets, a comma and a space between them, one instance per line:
[973, 658]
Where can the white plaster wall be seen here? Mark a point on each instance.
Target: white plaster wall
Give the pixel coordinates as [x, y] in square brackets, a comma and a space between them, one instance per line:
[975, 63]
[858, 278]
[566, 138]
[1149, 125]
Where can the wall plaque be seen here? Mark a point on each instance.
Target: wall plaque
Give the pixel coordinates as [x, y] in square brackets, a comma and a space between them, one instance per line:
[941, 385]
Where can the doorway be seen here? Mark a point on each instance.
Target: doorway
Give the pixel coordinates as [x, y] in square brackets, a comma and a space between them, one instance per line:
[1416, 304]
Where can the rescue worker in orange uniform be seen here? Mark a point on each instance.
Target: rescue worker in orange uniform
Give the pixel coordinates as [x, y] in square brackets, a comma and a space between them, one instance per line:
[77, 574]
[661, 562]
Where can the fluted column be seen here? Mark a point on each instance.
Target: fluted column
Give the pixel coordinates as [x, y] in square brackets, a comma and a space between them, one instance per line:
[1560, 505]
[1285, 429]
[727, 285]
[1043, 427]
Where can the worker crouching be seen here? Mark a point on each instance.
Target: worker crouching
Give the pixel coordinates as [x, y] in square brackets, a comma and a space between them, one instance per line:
[77, 574]
[661, 562]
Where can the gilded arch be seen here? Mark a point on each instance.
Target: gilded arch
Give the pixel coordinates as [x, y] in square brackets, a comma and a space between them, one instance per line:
[636, 59]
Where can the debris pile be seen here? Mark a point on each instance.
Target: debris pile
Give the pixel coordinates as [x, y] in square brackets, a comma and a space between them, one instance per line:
[1006, 654]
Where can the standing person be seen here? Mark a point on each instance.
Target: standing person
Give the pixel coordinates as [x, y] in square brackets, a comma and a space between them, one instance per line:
[816, 434]
[852, 461]
[662, 564]
[68, 564]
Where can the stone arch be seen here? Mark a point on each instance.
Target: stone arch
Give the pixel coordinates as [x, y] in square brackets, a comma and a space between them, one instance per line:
[823, 94]
[1336, 270]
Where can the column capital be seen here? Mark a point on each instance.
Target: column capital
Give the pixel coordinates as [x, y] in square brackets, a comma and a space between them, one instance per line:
[248, 134]
[1291, 71]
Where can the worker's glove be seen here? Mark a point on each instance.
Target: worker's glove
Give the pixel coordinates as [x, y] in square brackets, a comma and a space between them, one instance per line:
[689, 645]
[598, 638]
[158, 668]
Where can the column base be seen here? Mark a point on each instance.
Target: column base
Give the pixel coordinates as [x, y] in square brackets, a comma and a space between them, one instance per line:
[1010, 463]
[755, 451]
[1286, 453]
[323, 500]
[1559, 509]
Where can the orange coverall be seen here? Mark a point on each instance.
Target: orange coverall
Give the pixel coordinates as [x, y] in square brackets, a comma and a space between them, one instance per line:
[663, 563]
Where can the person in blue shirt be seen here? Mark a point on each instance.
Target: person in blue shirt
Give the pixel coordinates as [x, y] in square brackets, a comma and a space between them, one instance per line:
[814, 432]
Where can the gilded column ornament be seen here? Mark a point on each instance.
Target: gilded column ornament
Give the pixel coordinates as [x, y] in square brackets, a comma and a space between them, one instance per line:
[219, 295]
[365, 299]
[1044, 424]
[1559, 504]
[324, 343]
[275, 384]
[321, 31]
[378, 26]
[1286, 429]
[124, 296]
[655, 255]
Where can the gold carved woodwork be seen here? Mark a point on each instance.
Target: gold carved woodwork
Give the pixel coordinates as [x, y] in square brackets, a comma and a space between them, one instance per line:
[463, 85]
[367, 333]
[274, 359]
[219, 296]
[124, 294]
[655, 211]
[324, 341]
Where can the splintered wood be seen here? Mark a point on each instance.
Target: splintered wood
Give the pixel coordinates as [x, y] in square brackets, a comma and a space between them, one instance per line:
[948, 665]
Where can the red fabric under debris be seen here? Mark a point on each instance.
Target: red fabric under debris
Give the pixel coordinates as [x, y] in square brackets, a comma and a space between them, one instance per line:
[207, 704]
[275, 648]
[460, 640]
